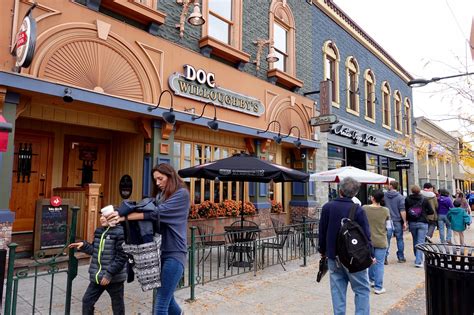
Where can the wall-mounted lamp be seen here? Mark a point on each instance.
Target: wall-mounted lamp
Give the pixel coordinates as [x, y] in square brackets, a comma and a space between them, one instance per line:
[169, 116]
[213, 124]
[277, 138]
[68, 95]
[271, 57]
[297, 142]
[194, 19]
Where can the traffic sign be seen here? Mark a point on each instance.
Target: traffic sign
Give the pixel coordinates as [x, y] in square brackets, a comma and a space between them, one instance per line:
[323, 120]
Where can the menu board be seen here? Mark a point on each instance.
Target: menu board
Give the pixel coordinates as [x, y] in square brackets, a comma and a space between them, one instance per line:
[51, 225]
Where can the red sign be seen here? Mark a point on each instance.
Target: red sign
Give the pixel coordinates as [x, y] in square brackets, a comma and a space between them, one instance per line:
[55, 201]
[25, 42]
[3, 137]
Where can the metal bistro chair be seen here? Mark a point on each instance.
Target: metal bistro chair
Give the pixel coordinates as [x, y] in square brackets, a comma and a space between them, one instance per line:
[206, 241]
[282, 233]
[240, 238]
[312, 233]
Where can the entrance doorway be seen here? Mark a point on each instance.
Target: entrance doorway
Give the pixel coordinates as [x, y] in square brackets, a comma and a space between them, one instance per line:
[31, 178]
[86, 160]
[357, 159]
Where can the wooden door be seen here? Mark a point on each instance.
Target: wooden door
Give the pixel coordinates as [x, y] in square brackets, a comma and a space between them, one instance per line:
[31, 176]
[86, 160]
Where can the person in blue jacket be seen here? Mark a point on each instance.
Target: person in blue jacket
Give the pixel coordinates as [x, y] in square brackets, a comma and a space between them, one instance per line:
[172, 208]
[329, 225]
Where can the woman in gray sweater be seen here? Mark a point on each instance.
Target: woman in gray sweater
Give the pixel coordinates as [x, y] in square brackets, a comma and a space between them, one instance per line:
[171, 211]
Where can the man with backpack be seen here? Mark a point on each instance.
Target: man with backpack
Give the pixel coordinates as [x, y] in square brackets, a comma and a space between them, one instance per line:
[334, 220]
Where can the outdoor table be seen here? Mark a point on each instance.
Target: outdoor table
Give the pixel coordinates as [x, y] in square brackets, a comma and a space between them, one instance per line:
[241, 240]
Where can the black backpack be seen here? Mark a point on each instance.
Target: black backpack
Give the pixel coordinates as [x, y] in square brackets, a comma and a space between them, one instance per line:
[352, 246]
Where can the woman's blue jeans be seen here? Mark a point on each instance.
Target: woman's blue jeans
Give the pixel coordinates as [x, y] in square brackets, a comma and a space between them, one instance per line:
[418, 231]
[442, 223]
[171, 273]
[376, 270]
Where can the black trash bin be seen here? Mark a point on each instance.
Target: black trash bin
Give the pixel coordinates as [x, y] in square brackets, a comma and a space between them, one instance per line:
[449, 279]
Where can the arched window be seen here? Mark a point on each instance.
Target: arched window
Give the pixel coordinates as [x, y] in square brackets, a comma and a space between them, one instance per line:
[397, 99]
[386, 107]
[352, 90]
[282, 33]
[331, 69]
[407, 117]
[370, 97]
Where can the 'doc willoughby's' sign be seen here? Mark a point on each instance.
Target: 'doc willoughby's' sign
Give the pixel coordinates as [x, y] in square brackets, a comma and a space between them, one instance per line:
[356, 137]
[200, 85]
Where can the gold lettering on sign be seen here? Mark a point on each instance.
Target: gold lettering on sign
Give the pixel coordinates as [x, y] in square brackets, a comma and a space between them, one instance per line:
[395, 147]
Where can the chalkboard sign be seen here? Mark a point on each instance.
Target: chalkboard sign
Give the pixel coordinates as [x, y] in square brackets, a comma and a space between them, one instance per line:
[51, 225]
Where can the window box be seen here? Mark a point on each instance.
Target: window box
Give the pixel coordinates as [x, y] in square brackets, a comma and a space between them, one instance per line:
[136, 10]
[284, 79]
[224, 51]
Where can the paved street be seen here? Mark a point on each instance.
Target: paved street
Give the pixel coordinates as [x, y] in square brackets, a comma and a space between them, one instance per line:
[271, 291]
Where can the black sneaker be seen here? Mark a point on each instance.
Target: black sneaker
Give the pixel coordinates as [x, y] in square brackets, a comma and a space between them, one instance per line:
[386, 261]
[402, 260]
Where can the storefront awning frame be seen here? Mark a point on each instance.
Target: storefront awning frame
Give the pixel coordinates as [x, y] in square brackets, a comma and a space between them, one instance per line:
[24, 83]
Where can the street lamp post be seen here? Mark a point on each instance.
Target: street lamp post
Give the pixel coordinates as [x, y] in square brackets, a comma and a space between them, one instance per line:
[423, 82]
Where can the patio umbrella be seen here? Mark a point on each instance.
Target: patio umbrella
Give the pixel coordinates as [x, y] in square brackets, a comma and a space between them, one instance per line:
[362, 176]
[244, 168]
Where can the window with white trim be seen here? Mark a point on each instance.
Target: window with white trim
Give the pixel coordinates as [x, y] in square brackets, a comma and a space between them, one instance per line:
[352, 89]
[282, 33]
[220, 21]
[370, 97]
[386, 110]
[331, 69]
[397, 99]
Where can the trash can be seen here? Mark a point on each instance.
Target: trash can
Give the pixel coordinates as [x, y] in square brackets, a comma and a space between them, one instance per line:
[449, 278]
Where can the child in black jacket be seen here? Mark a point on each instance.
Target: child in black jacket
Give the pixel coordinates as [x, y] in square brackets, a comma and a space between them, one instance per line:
[107, 269]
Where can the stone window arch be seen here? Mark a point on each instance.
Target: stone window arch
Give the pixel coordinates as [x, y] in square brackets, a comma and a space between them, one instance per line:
[386, 106]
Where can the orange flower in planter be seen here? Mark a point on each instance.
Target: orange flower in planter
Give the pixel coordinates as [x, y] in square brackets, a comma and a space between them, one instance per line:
[208, 209]
[194, 212]
[249, 208]
[231, 208]
[276, 207]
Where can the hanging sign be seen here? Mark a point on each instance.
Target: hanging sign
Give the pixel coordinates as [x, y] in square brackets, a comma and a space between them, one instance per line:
[200, 85]
[26, 41]
[402, 164]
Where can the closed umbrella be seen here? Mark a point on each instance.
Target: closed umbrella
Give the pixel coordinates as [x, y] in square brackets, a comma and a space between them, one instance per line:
[244, 168]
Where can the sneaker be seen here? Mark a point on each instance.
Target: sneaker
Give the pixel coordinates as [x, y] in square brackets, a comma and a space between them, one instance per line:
[386, 261]
[402, 260]
[381, 291]
[419, 265]
[428, 240]
[372, 284]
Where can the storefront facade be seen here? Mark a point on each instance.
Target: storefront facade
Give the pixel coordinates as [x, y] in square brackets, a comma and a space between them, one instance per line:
[370, 97]
[90, 109]
[437, 157]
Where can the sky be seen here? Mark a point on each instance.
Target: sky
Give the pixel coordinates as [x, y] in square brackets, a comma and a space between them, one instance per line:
[428, 38]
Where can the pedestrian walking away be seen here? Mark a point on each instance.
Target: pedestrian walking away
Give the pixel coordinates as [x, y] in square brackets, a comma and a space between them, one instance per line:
[444, 204]
[432, 219]
[377, 215]
[418, 222]
[339, 276]
[171, 211]
[107, 270]
[395, 202]
[459, 220]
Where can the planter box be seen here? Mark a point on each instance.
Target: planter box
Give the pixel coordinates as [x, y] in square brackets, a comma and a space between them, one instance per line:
[219, 223]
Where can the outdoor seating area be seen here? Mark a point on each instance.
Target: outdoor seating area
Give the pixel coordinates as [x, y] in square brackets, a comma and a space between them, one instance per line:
[244, 249]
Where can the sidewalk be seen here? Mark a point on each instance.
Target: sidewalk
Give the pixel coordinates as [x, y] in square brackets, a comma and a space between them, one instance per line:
[271, 291]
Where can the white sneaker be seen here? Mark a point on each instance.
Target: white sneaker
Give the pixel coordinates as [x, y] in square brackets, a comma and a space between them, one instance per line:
[381, 291]
[419, 265]
[372, 284]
